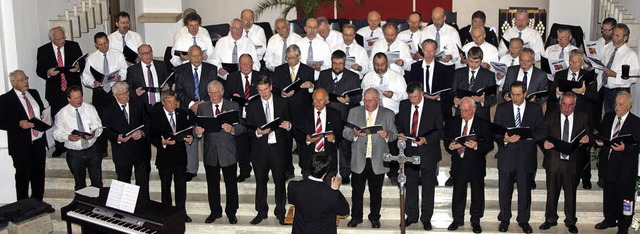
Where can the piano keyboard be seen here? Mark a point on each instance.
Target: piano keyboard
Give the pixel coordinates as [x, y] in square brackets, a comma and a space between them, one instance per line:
[115, 221]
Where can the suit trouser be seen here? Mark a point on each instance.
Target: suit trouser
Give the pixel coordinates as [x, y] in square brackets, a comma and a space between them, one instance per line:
[459, 199]
[345, 158]
[231, 188]
[426, 171]
[614, 192]
[273, 161]
[193, 162]
[506, 179]
[566, 181]
[393, 165]
[142, 165]
[81, 161]
[179, 175]
[100, 99]
[30, 168]
[56, 105]
[375, 193]
[243, 154]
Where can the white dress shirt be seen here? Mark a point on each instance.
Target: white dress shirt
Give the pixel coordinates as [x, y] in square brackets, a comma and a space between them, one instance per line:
[133, 39]
[96, 60]
[489, 53]
[449, 40]
[259, 39]
[323, 121]
[532, 39]
[156, 81]
[397, 45]
[333, 39]
[184, 40]
[34, 106]
[553, 52]
[185, 30]
[272, 134]
[412, 39]
[624, 55]
[520, 76]
[321, 52]
[224, 50]
[615, 122]
[601, 45]
[507, 59]
[273, 55]
[360, 55]
[175, 121]
[515, 111]
[562, 118]
[395, 83]
[430, 78]
[469, 124]
[65, 122]
[55, 52]
[366, 32]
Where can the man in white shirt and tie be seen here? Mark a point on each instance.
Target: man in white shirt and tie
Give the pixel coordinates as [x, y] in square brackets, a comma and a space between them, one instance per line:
[124, 37]
[562, 49]
[510, 59]
[354, 52]
[229, 48]
[254, 32]
[445, 35]
[372, 32]
[313, 49]
[278, 43]
[391, 46]
[390, 84]
[488, 50]
[615, 57]
[413, 36]
[195, 35]
[332, 37]
[531, 37]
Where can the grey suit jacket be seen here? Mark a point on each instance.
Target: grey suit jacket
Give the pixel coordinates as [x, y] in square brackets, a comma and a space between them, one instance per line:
[385, 118]
[537, 81]
[220, 147]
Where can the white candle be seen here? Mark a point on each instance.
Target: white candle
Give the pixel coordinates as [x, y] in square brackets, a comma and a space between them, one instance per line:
[75, 10]
[66, 15]
[90, 3]
[83, 7]
[335, 9]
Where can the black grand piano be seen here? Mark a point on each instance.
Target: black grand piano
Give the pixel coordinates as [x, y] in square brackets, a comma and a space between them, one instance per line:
[94, 216]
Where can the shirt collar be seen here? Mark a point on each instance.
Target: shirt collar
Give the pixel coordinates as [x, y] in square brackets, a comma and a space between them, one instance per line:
[522, 106]
[315, 179]
[425, 64]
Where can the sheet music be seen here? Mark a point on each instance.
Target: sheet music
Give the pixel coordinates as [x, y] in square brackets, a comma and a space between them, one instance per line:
[89, 191]
[350, 61]
[123, 196]
[393, 56]
[499, 67]
[368, 42]
[380, 87]
[591, 48]
[556, 65]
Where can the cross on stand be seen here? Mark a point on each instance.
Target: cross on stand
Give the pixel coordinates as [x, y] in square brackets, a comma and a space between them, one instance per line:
[402, 179]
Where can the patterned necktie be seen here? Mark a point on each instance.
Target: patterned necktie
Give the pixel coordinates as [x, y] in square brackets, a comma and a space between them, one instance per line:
[31, 112]
[217, 109]
[196, 82]
[105, 66]
[247, 85]
[381, 76]
[518, 118]
[63, 78]
[411, 37]
[524, 79]
[605, 78]
[464, 133]
[335, 80]
[152, 95]
[348, 51]
[194, 41]
[234, 55]
[371, 35]
[414, 122]
[472, 81]
[124, 112]
[616, 129]
[561, 53]
[320, 142]
[310, 55]
[172, 122]
[369, 143]
[573, 76]
[284, 51]
[565, 136]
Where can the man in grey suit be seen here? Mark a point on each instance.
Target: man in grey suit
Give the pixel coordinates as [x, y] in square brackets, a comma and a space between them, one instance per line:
[366, 155]
[220, 153]
[533, 78]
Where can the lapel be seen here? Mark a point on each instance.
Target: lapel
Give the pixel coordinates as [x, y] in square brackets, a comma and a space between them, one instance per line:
[577, 123]
[510, 116]
[18, 104]
[625, 126]
[464, 83]
[423, 117]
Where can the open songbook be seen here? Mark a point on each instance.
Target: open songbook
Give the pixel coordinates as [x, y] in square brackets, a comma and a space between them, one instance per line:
[179, 135]
[214, 123]
[107, 80]
[567, 85]
[424, 134]
[129, 55]
[537, 94]
[273, 125]
[67, 68]
[159, 88]
[242, 101]
[352, 92]
[132, 131]
[487, 91]
[567, 147]
[438, 92]
[368, 130]
[524, 132]
[39, 125]
[627, 139]
[314, 134]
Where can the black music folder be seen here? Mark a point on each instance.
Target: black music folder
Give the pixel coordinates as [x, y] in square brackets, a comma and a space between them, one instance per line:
[368, 130]
[66, 69]
[179, 52]
[567, 147]
[567, 85]
[438, 92]
[537, 94]
[627, 139]
[214, 123]
[524, 132]
[488, 91]
[273, 125]
[352, 92]
[159, 88]
[179, 135]
[242, 101]
[424, 134]
[129, 55]
[38, 125]
[230, 67]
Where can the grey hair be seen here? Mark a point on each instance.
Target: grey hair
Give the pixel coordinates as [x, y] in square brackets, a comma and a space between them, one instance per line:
[236, 20]
[522, 12]
[564, 30]
[56, 28]
[374, 91]
[293, 48]
[569, 94]
[120, 86]
[215, 84]
[12, 75]
[468, 99]
[627, 95]
[577, 52]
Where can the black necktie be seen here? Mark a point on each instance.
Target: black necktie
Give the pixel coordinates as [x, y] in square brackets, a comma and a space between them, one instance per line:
[524, 79]
[426, 80]
[565, 136]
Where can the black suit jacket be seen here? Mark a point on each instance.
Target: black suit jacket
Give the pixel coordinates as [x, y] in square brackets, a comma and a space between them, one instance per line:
[316, 206]
[350, 80]
[484, 78]
[537, 81]
[301, 100]
[233, 85]
[620, 166]
[47, 59]
[11, 113]
[333, 123]
[430, 118]
[519, 156]
[113, 118]
[135, 79]
[442, 79]
[473, 164]
[170, 156]
[552, 159]
[185, 88]
[257, 118]
[586, 102]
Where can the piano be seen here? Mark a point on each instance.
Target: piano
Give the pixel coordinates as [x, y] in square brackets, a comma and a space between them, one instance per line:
[94, 216]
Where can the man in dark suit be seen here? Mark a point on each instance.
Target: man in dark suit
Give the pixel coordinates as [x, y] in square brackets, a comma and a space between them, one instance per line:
[58, 53]
[517, 159]
[269, 147]
[27, 146]
[562, 170]
[220, 153]
[472, 78]
[191, 89]
[147, 73]
[418, 115]
[318, 119]
[242, 84]
[120, 117]
[619, 164]
[367, 150]
[533, 78]
[469, 161]
[171, 155]
[586, 102]
[478, 19]
[338, 80]
[298, 99]
[434, 75]
[316, 203]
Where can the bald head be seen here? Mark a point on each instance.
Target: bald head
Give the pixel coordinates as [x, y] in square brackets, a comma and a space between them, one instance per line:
[311, 28]
[373, 19]
[438, 17]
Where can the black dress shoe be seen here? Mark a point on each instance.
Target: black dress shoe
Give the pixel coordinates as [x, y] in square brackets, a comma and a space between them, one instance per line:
[233, 219]
[190, 176]
[242, 178]
[354, 223]
[599, 183]
[57, 153]
[503, 227]
[257, 220]
[533, 185]
[454, 226]
[526, 228]
[408, 222]
[375, 223]
[572, 228]
[187, 219]
[280, 220]
[604, 225]
[289, 176]
[476, 227]
[394, 180]
[622, 232]
[346, 180]
[546, 225]
[427, 226]
[212, 218]
[586, 185]
[449, 182]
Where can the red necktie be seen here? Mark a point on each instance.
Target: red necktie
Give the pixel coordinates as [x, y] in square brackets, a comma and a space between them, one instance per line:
[31, 113]
[414, 123]
[246, 87]
[464, 133]
[63, 79]
[217, 110]
[319, 143]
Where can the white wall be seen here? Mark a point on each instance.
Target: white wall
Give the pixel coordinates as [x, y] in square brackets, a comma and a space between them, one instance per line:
[465, 8]
[633, 6]
[220, 12]
[557, 13]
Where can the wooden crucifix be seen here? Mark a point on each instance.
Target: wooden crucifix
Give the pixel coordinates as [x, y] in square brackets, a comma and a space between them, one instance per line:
[402, 178]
